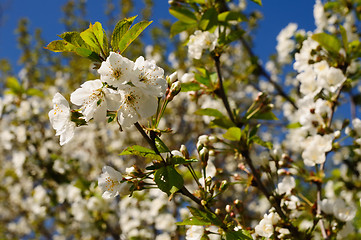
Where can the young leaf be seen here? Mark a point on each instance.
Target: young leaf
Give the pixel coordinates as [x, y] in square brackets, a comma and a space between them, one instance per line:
[183, 14]
[74, 38]
[327, 41]
[344, 37]
[190, 86]
[259, 141]
[259, 2]
[168, 180]
[222, 123]
[132, 34]
[233, 134]
[34, 92]
[95, 37]
[120, 29]
[60, 46]
[265, 116]
[162, 148]
[141, 151]
[209, 112]
[13, 84]
[209, 20]
[84, 52]
[231, 16]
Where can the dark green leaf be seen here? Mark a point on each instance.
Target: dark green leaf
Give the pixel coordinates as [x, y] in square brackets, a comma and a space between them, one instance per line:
[209, 20]
[231, 16]
[209, 112]
[221, 122]
[206, 216]
[239, 235]
[162, 148]
[181, 160]
[190, 86]
[233, 134]
[132, 34]
[327, 41]
[183, 14]
[179, 27]
[168, 180]
[141, 151]
[120, 29]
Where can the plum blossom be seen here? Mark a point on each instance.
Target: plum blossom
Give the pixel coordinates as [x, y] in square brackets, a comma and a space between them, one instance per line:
[110, 182]
[60, 119]
[117, 70]
[200, 41]
[150, 77]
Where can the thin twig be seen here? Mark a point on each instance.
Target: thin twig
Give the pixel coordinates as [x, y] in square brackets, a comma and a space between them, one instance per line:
[267, 76]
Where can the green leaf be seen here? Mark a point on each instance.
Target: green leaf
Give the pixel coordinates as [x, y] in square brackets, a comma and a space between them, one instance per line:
[231, 16]
[141, 151]
[84, 52]
[162, 148]
[168, 180]
[13, 84]
[209, 112]
[94, 37]
[327, 41]
[132, 34]
[181, 160]
[204, 80]
[206, 216]
[74, 38]
[60, 46]
[209, 20]
[259, 141]
[190, 86]
[265, 116]
[34, 92]
[179, 27]
[294, 125]
[233, 134]
[239, 235]
[222, 123]
[183, 14]
[259, 2]
[344, 37]
[120, 29]
[194, 221]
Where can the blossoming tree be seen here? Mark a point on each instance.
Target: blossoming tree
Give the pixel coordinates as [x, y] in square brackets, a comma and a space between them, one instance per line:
[201, 141]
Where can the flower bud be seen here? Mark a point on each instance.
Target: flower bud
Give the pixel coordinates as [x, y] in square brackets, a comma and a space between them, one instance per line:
[224, 185]
[204, 155]
[204, 202]
[218, 211]
[183, 149]
[175, 88]
[173, 77]
[228, 208]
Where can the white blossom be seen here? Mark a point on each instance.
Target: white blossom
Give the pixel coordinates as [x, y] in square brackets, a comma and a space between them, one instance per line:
[117, 70]
[194, 232]
[135, 105]
[343, 212]
[200, 41]
[286, 185]
[91, 99]
[285, 45]
[60, 119]
[150, 77]
[110, 182]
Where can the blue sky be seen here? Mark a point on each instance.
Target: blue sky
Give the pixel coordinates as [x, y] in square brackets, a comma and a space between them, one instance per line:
[47, 14]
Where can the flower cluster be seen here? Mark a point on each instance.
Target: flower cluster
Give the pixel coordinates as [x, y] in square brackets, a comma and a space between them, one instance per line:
[200, 41]
[127, 89]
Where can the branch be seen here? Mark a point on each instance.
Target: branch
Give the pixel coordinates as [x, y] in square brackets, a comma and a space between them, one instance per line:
[268, 77]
